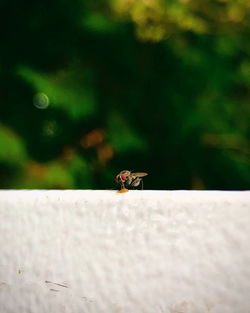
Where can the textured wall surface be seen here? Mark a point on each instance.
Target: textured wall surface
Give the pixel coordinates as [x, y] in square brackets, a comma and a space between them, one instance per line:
[139, 252]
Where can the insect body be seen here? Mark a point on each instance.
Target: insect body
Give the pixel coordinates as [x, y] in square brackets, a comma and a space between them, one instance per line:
[127, 180]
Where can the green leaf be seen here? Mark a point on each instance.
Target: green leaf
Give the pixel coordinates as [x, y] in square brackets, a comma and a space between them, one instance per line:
[12, 149]
[123, 137]
[64, 90]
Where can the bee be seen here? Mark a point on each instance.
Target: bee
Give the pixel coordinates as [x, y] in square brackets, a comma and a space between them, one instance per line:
[127, 180]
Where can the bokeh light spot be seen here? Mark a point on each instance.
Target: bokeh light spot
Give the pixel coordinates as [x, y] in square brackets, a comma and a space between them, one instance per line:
[105, 153]
[95, 137]
[50, 128]
[41, 100]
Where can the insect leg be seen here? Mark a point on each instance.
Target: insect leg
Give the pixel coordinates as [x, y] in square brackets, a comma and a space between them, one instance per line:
[122, 185]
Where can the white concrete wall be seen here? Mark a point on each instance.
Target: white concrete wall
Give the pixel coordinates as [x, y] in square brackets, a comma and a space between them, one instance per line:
[139, 252]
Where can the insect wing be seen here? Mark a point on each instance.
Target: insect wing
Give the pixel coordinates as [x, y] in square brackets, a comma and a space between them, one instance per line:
[136, 182]
[139, 174]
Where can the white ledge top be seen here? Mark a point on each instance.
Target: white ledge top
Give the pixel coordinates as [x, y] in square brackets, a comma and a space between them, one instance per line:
[150, 251]
[130, 193]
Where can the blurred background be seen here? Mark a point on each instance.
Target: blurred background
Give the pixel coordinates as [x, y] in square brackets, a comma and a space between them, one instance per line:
[90, 88]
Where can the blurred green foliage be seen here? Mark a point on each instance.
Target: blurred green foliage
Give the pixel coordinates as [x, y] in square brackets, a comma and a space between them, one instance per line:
[91, 88]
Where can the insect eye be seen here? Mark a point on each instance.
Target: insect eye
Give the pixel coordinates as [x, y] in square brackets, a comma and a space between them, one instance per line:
[123, 176]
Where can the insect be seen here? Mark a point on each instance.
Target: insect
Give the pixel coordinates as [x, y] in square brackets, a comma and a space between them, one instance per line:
[125, 179]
